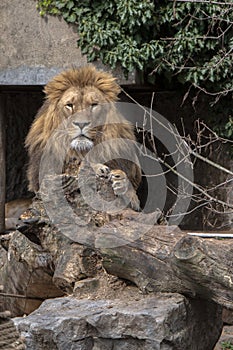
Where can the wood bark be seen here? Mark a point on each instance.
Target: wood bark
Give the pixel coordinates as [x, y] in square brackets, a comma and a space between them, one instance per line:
[26, 275]
[162, 259]
[166, 259]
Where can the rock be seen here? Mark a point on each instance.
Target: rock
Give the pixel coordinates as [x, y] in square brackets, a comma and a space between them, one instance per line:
[154, 322]
[227, 316]
[9, 337]
[226, 339]
[26, 275]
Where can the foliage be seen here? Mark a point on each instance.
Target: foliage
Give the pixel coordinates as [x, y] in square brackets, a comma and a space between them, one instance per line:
[190, 42]
[227, 346]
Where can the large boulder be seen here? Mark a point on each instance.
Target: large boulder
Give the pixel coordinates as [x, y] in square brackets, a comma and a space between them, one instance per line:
[152, 322]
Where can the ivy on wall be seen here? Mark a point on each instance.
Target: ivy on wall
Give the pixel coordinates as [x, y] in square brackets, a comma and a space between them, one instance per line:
[191, 39]
[188, 41]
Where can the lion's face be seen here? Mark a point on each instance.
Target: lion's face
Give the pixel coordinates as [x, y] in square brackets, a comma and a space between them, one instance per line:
[84, 111]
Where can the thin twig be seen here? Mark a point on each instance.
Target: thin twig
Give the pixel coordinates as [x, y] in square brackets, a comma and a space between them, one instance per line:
[192, 152]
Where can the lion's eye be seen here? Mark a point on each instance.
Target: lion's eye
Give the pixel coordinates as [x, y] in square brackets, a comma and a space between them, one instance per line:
[69, 106]
[94, 104]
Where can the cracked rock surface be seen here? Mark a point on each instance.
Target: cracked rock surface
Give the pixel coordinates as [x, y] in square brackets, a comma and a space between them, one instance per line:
[163, 321]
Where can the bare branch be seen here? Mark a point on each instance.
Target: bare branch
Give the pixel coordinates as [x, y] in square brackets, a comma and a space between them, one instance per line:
[206, 198]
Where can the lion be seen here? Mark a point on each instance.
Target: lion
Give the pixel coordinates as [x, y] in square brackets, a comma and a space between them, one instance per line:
[79, 120]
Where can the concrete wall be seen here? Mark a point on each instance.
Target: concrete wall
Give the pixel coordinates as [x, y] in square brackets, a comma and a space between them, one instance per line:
[34, 49]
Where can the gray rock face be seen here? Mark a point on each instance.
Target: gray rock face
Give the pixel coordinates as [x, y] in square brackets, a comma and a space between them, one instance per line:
[158, 322]
[34, 49]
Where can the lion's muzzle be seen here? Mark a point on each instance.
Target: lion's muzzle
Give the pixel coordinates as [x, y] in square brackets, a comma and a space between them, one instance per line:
[81, 143]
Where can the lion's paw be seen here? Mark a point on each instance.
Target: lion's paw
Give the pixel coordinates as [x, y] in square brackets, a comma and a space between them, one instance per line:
[122, 187]
[120, 182]
[101, 170]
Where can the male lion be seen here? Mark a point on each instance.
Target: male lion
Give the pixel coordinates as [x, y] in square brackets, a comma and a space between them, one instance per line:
[78, 115]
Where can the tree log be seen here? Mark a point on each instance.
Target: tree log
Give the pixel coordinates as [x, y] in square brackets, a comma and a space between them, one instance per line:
[26, 275]
[162, 259]
[167, 260]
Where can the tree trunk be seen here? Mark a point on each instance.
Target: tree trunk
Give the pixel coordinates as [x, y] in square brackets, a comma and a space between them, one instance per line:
[167, 260]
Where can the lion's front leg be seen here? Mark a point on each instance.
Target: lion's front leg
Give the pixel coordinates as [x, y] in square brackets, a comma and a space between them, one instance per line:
[101, 170]
[118, 178]
[120, 182]
[123, 187]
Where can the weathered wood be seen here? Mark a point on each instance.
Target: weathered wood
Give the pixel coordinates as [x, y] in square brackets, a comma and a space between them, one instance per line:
[156, 258]
[166, 260]
[2, 163]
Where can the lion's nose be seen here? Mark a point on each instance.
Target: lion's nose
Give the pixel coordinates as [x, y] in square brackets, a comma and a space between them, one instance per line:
[81, 125]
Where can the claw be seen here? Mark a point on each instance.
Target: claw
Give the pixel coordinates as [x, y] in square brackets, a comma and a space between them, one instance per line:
[122, 187]
[120, 182]
[101, 170]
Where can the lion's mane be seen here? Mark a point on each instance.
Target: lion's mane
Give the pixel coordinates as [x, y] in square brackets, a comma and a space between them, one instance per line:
[51, 117]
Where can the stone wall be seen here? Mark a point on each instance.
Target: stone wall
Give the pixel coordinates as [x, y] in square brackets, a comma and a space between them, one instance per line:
[34, 49]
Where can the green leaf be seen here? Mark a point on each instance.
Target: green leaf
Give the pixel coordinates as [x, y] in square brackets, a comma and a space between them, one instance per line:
[70, 4]
[72, 18]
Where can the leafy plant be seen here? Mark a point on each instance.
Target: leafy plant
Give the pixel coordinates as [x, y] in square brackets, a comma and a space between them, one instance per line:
[192, 40]
[227, 345]
[187, 42]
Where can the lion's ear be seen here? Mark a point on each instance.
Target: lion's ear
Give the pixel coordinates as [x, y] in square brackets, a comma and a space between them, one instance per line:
[107, 84]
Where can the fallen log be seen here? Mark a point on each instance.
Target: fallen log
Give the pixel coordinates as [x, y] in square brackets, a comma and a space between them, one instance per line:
[156, 258]
[166, 259]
